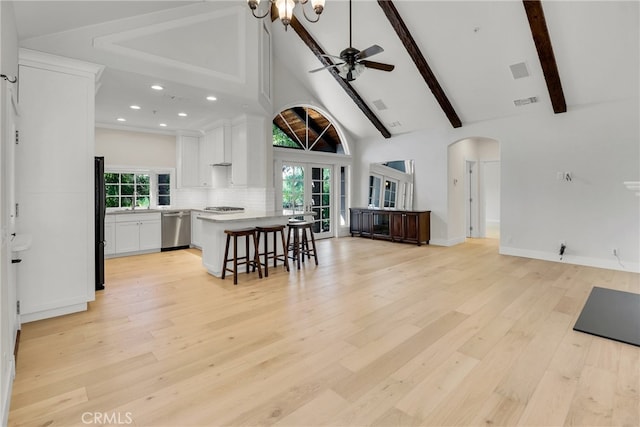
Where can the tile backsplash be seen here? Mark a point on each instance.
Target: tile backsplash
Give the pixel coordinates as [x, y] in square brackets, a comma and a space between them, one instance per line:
[252, 199]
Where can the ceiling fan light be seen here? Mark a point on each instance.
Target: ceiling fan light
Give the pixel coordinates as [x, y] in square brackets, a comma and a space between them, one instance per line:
[253, 4]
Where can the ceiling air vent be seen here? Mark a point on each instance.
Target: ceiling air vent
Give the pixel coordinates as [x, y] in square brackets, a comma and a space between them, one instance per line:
[519, 70]
[525, 101]
[379, 104]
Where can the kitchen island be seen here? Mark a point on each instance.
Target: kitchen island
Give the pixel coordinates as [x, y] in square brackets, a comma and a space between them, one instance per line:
[213, 237]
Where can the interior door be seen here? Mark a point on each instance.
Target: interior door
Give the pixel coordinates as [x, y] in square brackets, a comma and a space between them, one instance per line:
[308, 187]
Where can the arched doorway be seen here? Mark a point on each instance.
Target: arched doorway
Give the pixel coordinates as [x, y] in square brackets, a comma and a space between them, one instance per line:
[312, 168]
[474, 188]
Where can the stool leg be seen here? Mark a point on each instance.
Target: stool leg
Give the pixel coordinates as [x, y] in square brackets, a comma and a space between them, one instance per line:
[313, 244]
[246, 247]
[256, 255]
[275, 251]
[235, 260]
[266, 252]
[226, 257]
[285, 249]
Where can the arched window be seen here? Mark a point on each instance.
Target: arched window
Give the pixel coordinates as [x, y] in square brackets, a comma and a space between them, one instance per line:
[303, 128]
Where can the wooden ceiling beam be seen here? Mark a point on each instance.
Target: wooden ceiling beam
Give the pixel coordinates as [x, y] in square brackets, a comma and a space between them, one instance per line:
[416, 55]
[318, 52]
[542, 40]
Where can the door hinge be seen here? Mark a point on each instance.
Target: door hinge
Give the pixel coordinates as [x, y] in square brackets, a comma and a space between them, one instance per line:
[17, 136]
[17, 209]
[18, 307]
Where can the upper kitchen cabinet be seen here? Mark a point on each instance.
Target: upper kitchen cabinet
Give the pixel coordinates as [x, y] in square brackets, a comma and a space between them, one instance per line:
[187, 158]
[54, 184]
[200, 158]
[251, 152]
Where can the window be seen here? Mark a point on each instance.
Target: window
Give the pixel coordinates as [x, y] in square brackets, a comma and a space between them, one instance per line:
[164, 189]
[390, 193]
[139, 188]
[125, 190]
[304, 128]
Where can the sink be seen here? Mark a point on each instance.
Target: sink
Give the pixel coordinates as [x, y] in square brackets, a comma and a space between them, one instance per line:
[21, 242]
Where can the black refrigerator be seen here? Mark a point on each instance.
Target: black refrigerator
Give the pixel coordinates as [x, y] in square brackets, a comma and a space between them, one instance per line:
[100, 210]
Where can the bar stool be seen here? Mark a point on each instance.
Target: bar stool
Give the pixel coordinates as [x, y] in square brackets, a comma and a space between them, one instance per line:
[247, 233]
[300, 245]
[265, 230]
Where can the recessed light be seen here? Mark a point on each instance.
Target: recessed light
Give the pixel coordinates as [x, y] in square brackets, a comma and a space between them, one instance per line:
[164, 125]
[211, 98]
[121, 119]
[134, 107]
[157, 87]
[182, 114]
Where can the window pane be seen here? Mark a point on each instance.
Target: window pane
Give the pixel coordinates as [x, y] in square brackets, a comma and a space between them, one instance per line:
[126, 189]
[112, 190]
[127, 178]
[112, 178]
[164, 190]
[164, 200]
[113, 202]
[164, 178]
[126, 202]
[142, 179]
[142, 202]
[142, 190]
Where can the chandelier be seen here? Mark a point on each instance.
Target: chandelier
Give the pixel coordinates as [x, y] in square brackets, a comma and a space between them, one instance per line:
[285, 9]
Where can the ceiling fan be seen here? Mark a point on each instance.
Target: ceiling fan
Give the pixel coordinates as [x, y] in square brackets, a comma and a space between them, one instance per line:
[354, 61]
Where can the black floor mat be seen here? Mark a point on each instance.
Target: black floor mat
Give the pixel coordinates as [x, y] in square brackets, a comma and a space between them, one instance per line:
[611, 314]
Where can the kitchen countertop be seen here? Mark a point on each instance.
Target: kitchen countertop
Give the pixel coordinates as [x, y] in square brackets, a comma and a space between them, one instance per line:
[137, 211]
[241, 216]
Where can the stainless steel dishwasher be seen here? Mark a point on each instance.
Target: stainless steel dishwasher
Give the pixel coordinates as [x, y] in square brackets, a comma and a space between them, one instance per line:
[176, 230]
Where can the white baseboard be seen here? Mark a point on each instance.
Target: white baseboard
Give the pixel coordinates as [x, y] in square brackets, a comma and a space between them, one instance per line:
[54, 312]
[6, 393]
[447, 242]
[633, 267]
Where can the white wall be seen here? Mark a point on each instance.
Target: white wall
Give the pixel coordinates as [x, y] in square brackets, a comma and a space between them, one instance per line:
[593, 213]
[8, 317]
[128, 148]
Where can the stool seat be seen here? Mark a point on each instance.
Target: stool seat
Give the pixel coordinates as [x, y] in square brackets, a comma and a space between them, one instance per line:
[300, 245]
[254, 262]
[274, 229]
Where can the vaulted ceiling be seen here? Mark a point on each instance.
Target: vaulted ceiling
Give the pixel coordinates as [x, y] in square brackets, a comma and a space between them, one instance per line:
[469, 48]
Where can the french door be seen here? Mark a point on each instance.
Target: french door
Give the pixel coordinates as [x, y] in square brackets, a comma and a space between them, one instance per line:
[307, 187]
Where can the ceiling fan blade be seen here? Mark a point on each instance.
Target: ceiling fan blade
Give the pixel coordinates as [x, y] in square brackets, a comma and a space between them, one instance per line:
[378, 65]
[331, 56]
[325, 67]
[370, 51]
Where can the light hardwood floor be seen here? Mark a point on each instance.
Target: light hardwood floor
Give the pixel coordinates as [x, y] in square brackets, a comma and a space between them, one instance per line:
[379, 334]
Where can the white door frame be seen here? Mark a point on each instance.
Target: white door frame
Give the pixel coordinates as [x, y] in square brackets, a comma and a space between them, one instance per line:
[472, 210]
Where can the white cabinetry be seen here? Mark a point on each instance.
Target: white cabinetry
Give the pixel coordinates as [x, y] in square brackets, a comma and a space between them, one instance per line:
[199, 158]
[188, 149]
[249, 151]
[109, 235]
[54, 184]
[196, 230]
[137, 232]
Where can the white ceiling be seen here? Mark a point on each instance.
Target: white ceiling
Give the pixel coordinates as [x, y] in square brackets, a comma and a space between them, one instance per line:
[195, 49]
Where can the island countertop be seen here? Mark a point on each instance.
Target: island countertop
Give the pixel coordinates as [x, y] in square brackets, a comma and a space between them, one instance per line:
[241, 216]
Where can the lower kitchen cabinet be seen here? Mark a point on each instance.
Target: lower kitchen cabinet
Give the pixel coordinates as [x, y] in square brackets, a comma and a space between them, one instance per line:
[394, 225]
[196, 230]
[137, 233]
[109, 235]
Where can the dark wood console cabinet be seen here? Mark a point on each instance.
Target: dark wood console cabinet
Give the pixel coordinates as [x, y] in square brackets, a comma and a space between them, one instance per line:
[389, 224]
